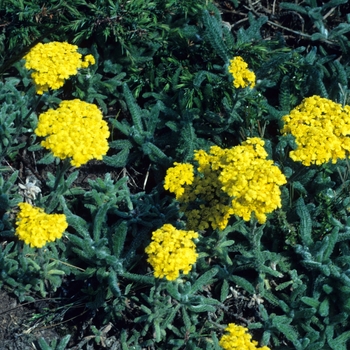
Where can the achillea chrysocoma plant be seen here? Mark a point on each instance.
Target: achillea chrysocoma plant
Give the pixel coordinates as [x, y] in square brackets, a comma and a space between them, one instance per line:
[54, 62]
[236, 181]
[170, 251]
[36, 228]
[238, 338]
[242, 76]
[74, 130]
[321, 128]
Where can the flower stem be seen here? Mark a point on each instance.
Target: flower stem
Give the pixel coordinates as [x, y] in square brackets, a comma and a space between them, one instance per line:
[58, 188]
[64, 167]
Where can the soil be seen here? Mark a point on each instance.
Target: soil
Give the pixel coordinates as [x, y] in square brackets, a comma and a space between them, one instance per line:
[18, 329]
[22, 325]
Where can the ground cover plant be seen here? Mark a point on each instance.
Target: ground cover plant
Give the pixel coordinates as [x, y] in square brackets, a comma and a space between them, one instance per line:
[175, 175]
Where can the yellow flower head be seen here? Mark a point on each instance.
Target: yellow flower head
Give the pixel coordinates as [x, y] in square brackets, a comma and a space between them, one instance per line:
[53, 63]
[321, 129]
[36, 228]
[178, 176]
[170, 251]
[74, 130]
[238, 338]
[242, 76]
[236, 181]
[251, 180]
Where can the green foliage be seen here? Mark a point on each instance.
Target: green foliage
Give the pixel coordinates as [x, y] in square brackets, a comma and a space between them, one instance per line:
[61, 345]
[141, 134]
[16, 118]
[33, 272]
[214, 34]
[316, 17]
[9, 197]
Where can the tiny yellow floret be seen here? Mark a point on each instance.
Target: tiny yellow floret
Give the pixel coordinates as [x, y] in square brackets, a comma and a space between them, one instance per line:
[36, 228]
[171, 251]
[89, 59]
[242, 76]
[76, 130]
[238, 338]
[52, 63]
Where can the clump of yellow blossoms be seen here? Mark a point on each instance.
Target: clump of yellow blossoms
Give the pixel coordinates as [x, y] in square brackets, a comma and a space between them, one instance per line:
[53, 63]
[236, 181]
[238, 338]
[170, 251]
[36, 228]
[177, 176]
[242, 76]
[250, 179]
[321, 129]
[76, 130]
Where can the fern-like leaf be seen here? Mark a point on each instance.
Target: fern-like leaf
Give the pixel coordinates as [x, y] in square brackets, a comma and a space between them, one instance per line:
[284, 95]
[305, 222]
[341, 74]
[134, 109]
[214, 34]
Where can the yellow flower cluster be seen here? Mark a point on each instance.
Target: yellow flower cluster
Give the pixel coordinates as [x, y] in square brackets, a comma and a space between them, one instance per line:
[213, 205]
[238, 338]
[74, 130]
[36, 228]
[242, 76]
[236, 181]
[54, 62]
[177, 176]
[321, 128]
[250, 179]
[170, 251]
